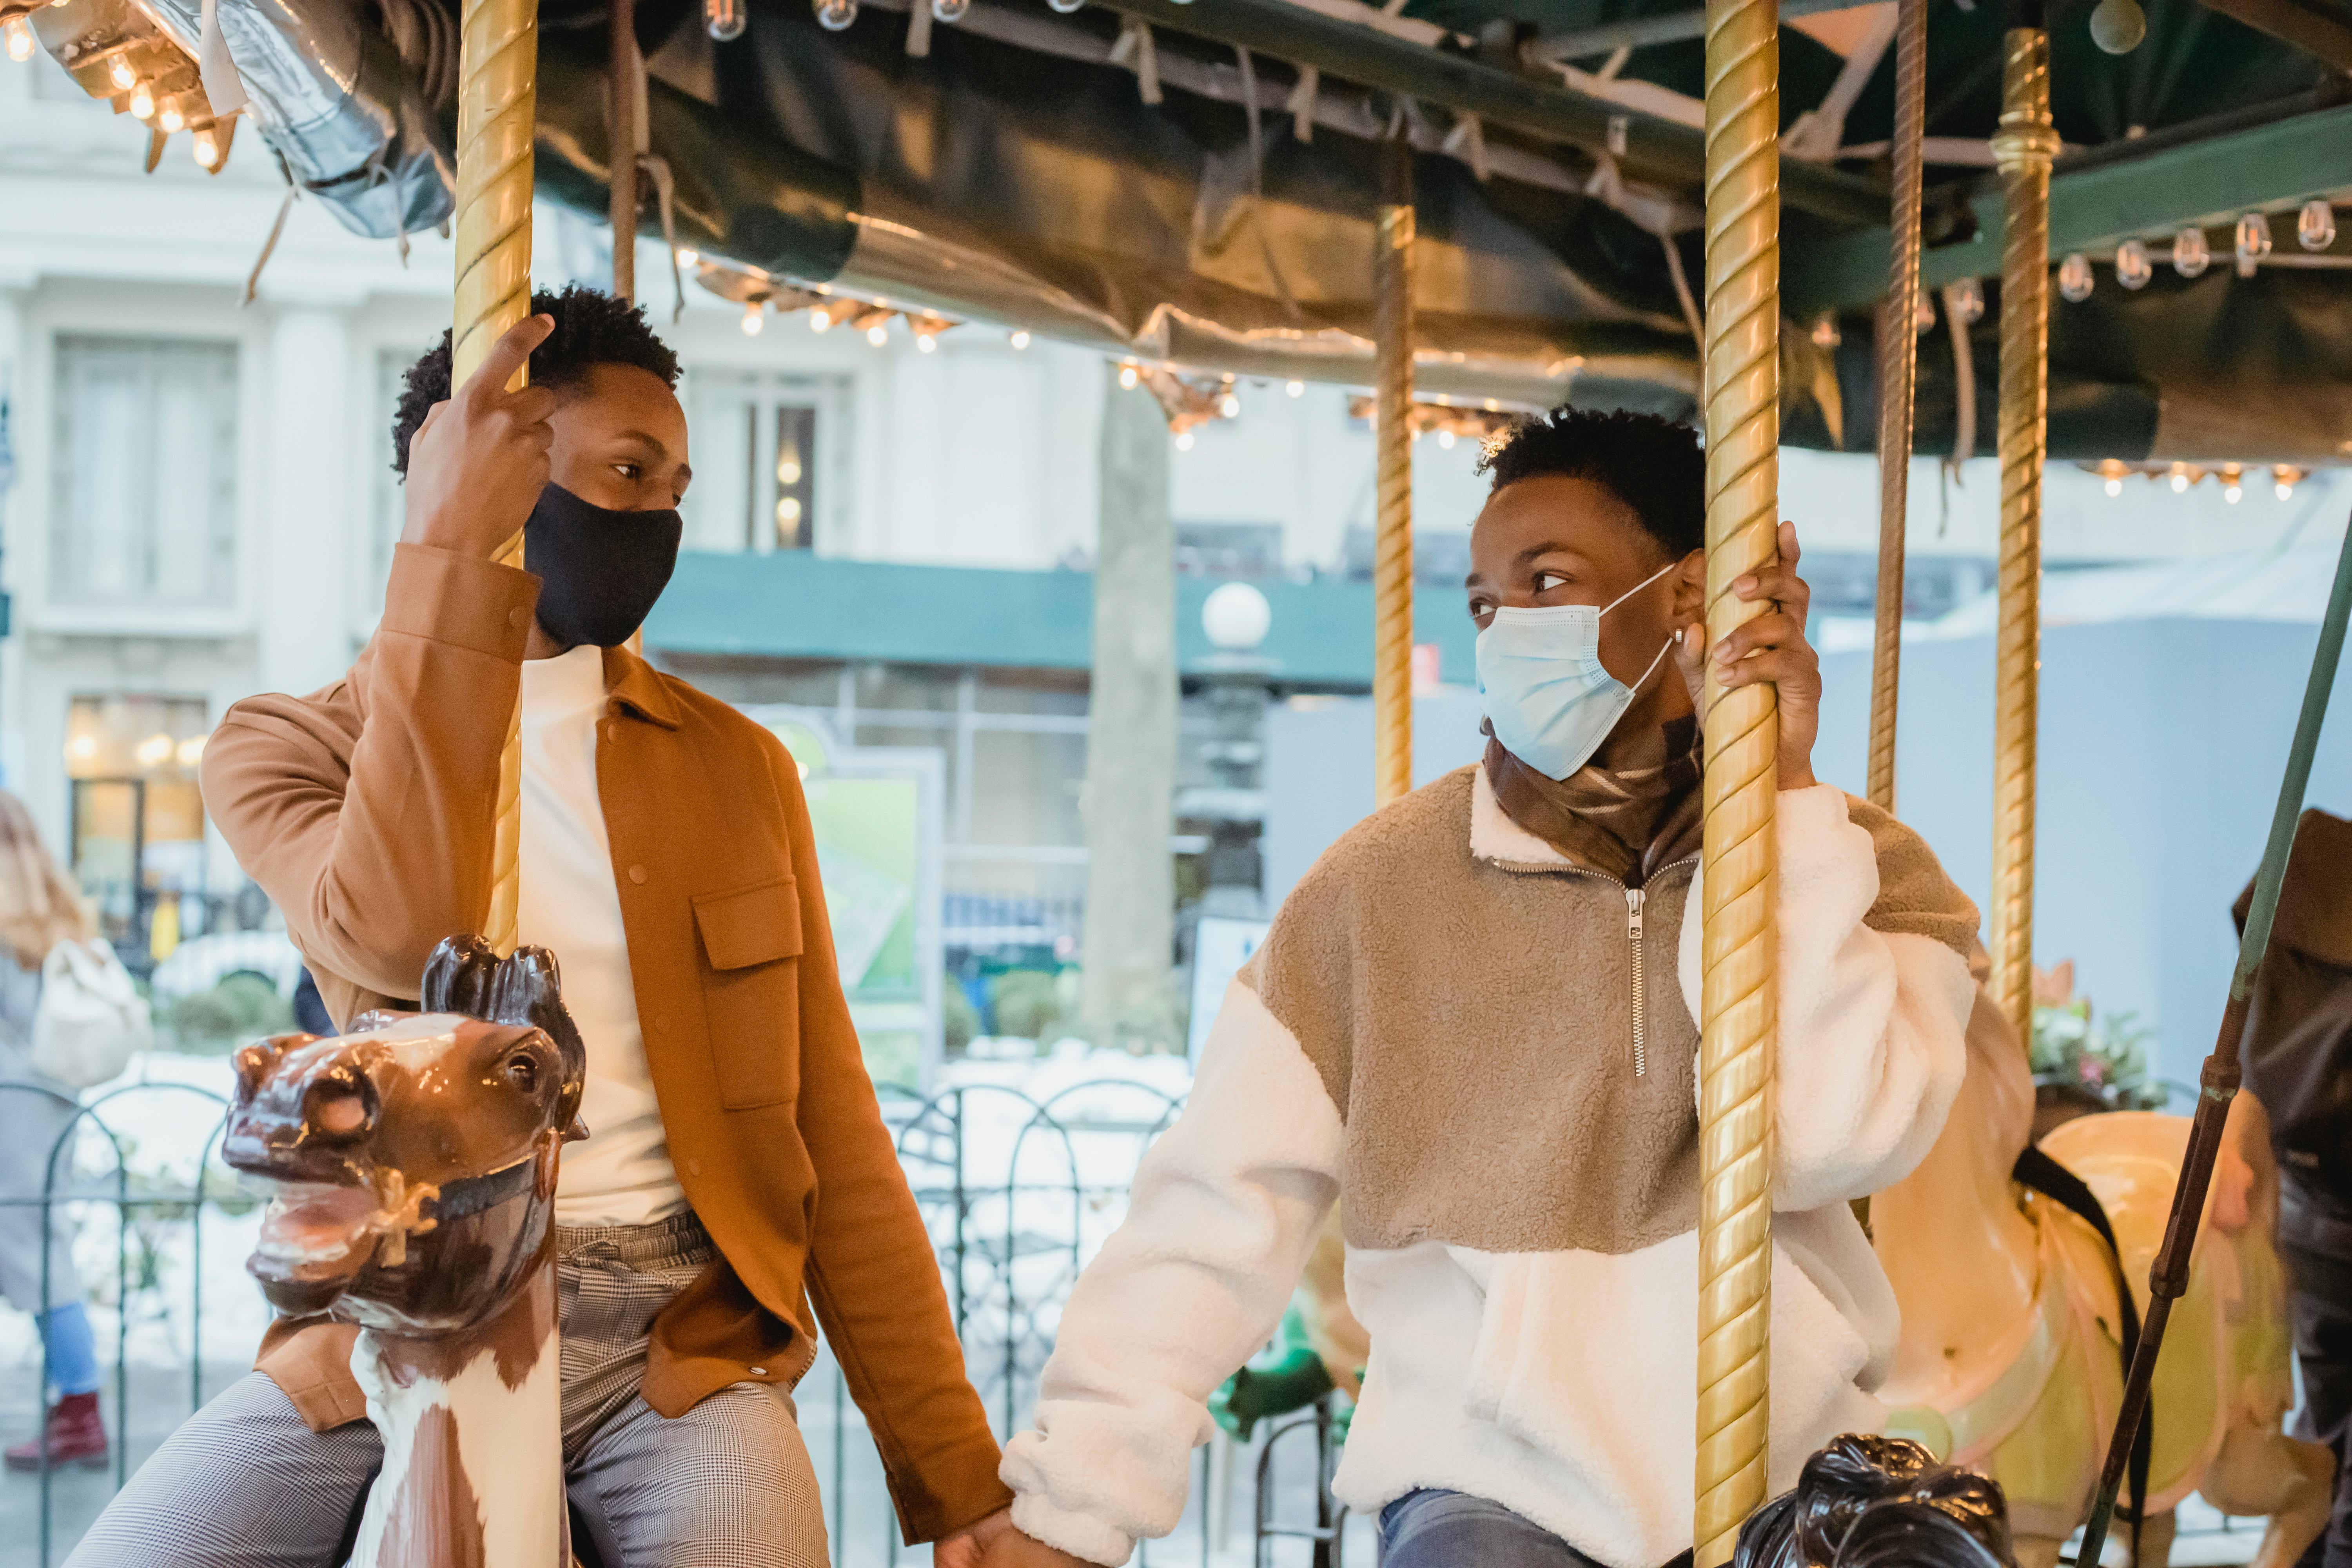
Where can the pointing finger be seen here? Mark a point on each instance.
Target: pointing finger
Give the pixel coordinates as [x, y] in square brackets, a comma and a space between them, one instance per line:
[509, 355]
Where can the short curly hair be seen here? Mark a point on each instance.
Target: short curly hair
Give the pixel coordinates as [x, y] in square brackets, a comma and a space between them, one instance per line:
[592, 328]
[1653, 465]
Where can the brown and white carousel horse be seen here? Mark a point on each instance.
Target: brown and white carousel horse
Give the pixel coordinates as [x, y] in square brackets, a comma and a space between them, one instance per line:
[2010, 1360]
[414, 1162]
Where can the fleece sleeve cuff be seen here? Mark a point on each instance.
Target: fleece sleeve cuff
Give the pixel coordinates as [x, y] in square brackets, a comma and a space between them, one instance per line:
[1080, 1535]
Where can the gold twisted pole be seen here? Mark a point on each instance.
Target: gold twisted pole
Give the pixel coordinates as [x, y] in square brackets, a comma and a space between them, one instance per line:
[2023, 146]
[1392, 468]
[1739, 956]
[1899, 358]
[497, 103]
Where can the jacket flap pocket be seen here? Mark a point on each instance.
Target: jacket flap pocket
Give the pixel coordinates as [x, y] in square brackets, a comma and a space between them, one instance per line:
[751, 925]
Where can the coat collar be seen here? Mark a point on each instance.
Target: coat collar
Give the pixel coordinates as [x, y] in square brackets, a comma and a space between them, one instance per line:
[1494, 837]
[638, 687]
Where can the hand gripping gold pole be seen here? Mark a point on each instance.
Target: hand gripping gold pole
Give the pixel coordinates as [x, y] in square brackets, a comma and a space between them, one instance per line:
[1739, 956]
[2023, 146]
[1392, 466]
[1898, 356]
[497, 101]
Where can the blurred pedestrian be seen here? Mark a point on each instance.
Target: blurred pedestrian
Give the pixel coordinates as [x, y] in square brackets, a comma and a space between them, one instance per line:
[38, 910]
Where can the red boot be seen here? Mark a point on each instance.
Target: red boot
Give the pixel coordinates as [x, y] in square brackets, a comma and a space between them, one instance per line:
[76, 1434]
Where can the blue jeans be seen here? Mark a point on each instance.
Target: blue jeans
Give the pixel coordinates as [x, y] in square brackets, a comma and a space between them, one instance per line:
[1432, 1529]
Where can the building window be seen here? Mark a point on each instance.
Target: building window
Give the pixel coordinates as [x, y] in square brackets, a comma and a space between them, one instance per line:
[769, 460]
[136, 833]
[146, 490]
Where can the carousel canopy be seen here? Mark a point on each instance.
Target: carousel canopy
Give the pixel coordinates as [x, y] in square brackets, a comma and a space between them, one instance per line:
[1192, 185]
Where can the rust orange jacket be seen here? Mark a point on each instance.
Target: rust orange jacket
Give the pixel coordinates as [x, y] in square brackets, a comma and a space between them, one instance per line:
[365, 811]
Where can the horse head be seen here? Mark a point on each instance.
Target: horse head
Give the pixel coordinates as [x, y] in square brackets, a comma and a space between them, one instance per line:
[412, 1160]
[1880, 1502]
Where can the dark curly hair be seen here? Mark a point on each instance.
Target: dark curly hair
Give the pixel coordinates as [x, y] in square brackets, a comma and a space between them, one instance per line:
[1653, 465]
[591, 328]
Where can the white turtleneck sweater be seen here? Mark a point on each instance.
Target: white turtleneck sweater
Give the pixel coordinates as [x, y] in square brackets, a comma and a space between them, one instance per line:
[622, 1174]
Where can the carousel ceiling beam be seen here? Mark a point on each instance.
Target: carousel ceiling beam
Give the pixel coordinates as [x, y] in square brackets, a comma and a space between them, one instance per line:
[2103, 197]
[2318, 30]
[1639, 32]
[1652, 150]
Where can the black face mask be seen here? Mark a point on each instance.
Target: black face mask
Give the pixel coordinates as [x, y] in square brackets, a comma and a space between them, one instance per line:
[601, 570]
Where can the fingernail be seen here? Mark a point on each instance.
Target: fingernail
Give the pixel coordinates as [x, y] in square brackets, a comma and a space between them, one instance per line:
[1746, 584]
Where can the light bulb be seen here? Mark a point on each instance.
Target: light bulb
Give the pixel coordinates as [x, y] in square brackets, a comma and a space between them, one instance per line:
[171, 119]
[119, 71]
[2314, 226]
[878, 333]
[788, 471]
[820, 319]
[1128, 378]
[1296, 388]
[208, 150]
[2132, 269]
[1924, 318]
[1229, 406]
[2180, 479]
[949, 11]
[689, 258]
[836, 15]
[1967, 301]
[142, 103]
[788, 510]
[2189, 257]
[2231, 493]
[2284, 489]
[1019, 340]
[1184, 440]
[725, 19]
[2118, 25]
[1446, 440]
[2074, 277]
[926, 341]
[20, 39]
[2253, 242]
[1067, 7]
[754, 318]
[2115, 487]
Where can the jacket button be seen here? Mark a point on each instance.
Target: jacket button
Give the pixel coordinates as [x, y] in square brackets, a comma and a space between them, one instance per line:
[636, 873]
[757, 1370]
[694, 1167]
[517, 617]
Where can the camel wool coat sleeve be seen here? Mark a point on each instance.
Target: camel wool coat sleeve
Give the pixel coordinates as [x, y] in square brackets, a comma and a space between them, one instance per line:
[365, 811]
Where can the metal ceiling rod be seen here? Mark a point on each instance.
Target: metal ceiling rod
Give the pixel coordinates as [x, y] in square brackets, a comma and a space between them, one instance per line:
[2318, 30]
[1641, 31]
[1645, 147]
[1898, 364]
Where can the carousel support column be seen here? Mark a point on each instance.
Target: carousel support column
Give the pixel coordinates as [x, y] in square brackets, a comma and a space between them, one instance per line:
[1898, 357]
[1740, 954]
[1130, 913]
[496, 104]
[621, 116]
[1393, 234]
[2022, 147]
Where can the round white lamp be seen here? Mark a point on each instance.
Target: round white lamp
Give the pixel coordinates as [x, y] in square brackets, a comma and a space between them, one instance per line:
[1236, 617]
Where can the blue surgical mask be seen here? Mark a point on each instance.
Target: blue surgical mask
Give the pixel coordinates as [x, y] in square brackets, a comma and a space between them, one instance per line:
[1542, 686]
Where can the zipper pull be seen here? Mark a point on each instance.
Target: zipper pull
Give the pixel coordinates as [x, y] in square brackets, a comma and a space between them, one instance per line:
[1633, 899]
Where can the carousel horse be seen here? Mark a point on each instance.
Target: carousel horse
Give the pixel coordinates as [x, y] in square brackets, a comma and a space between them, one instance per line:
[1879, 1503]
[2011, 1358]
[413, 1164]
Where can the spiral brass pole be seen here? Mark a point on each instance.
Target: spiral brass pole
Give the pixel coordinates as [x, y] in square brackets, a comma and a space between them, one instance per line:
[1740, 954]
[620, 127]
[2022, 147]
[497, 103]
[1392, 468]
[1898, 356]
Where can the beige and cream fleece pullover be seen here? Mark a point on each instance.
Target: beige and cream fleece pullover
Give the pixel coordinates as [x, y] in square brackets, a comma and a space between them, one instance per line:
[1490, 1052]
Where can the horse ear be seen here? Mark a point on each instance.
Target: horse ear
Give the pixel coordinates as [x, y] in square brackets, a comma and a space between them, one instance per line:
[577, 1132]
[458, 977]
[529, 989]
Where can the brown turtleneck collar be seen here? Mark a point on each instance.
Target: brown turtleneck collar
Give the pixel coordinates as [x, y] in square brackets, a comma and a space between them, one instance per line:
[1625, 822]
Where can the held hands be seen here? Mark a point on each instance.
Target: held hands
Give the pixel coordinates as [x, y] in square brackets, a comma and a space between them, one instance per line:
[477, 463]
[1008, 1548]
[1771, 647]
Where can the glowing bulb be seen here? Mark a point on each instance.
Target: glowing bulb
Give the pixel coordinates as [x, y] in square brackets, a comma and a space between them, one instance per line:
[1067, 7]
[2189, 257]
[118, 70]
[2232, 494]
[926, 341]
[788, 511]
[1967, 301]
[689, 258]
[1296, 388]
[820, 319]
[2074, 279]
[2253, 242]
[1185, 441]
[142, 103]
[171, 119]
[2132, 269]
[1019, 340]
[2115, 487]
[191, 751]
[754, 318]
[2314, 227]
[82, 747]
[1446, 440]
[208, 150]
[878, 333]
[2179, 481]
[1229, 406]
[154, 752]
[20, 39]
[1127, 377]
[725, 19]
[949, 11]
[1924, 318]
[835, 15]
[788, 471]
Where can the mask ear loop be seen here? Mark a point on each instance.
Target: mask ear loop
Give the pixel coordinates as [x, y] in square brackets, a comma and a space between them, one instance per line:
[1666, 649]
[1637, 588]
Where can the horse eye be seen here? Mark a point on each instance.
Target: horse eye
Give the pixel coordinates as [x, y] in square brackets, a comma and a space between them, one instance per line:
[523, 1073]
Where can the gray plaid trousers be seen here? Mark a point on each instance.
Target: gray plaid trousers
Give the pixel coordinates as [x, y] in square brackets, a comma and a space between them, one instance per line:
[244, 1484]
